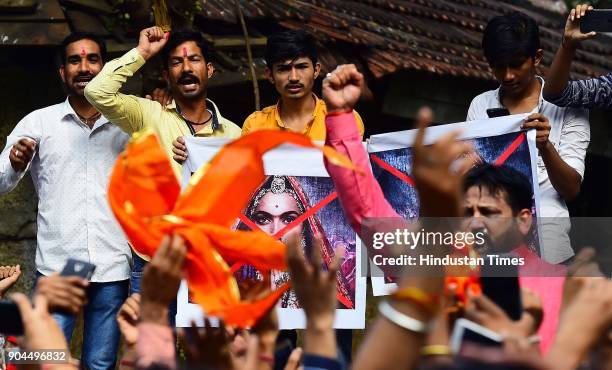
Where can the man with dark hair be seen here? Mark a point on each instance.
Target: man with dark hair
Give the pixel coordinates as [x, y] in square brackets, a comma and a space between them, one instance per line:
[500, 199]
[186, 70]
[497, 202]
[497, 198]
[292, 66]
[502, 178]
[70, 148]
[76, 36]
[511, 45]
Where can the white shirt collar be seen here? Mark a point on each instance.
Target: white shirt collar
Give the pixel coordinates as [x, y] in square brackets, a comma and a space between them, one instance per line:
[67, 110]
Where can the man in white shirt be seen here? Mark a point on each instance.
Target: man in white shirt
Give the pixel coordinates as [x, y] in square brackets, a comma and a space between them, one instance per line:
[511, 45]
[70, 149]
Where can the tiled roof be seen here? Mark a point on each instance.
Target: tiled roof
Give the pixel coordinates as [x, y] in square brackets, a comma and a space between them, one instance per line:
[436, 36]
[382, 36]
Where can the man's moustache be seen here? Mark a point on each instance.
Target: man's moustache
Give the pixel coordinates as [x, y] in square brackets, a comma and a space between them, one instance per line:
[87, 77]
[188, 78]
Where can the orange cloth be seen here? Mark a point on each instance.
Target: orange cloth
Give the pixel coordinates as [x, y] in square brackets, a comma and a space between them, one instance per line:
[269, 119]
[145, 197]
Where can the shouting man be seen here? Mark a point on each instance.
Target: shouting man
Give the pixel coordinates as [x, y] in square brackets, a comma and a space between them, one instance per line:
[187, 69]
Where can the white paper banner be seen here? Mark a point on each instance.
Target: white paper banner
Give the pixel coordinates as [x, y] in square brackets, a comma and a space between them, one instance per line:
[494, 139]
[297, 181]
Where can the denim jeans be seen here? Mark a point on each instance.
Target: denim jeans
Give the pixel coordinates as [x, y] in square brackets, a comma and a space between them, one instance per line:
[101, 333]
[136, 280]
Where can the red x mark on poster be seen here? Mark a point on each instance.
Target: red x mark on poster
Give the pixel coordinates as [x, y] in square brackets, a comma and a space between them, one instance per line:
[309, 212]
[408, 180]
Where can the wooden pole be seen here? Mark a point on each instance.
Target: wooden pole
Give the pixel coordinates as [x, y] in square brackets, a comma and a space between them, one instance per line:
[247, 42]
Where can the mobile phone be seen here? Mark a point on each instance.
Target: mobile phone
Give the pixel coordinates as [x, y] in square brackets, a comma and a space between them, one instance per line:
[10, 318]
[74, 267]
[500, 284]
[468, 331]
[497, 112]
[599, 20]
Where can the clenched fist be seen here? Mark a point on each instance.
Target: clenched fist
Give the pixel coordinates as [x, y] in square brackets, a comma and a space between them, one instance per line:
[342, 88]
[21, 154]
[151, 41]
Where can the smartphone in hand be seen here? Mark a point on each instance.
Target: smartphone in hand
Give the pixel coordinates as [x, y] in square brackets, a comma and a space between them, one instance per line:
[500, 284]
[598, 20]
[10, 318]
[466, 331]
[78, 268]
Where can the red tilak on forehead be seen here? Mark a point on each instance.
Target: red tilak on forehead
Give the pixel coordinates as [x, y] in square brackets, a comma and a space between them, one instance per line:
[184, 52]
[83, 52]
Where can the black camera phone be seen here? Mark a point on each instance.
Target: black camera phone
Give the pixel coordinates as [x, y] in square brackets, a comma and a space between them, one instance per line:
[497, 112]
[78, 268]
[599, 20]
[500, 284]
[10, 318]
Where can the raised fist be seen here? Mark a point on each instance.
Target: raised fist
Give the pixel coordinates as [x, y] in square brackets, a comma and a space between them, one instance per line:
[342, 88]
[151, 41]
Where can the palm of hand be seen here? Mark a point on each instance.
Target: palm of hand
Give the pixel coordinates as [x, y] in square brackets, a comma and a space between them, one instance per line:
[572, 30]
[324, 288]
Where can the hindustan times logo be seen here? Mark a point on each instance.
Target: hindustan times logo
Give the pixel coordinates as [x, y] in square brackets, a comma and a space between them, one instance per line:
[410, 239]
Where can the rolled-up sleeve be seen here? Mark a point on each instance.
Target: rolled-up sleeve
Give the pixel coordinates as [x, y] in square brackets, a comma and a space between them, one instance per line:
[576, 134]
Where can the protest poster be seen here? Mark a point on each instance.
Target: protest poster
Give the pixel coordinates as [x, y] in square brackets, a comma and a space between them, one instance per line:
[296, 198]
[497, 141]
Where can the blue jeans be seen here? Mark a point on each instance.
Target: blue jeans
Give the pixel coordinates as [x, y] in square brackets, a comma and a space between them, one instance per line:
[100, 334]
[136, 280]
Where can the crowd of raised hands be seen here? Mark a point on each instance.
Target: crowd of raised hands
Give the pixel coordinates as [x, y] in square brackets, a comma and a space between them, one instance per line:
[584, 333]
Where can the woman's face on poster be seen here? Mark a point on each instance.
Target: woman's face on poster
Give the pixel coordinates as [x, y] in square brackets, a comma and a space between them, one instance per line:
[275, 211]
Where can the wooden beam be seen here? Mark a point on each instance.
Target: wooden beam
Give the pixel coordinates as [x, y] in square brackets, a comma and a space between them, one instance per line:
[46, 11]
[90, 5]
[32, 34]
[238, 42]
[86, 22]
[234, 41]
[18, 6]
[226, 78]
